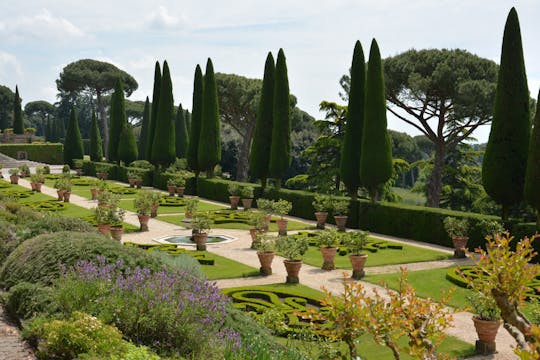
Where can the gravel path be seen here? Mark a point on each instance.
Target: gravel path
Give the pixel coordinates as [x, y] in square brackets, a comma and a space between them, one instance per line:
[12, 347]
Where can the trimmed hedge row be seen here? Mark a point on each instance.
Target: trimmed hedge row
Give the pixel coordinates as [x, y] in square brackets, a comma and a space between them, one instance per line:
[48, 153]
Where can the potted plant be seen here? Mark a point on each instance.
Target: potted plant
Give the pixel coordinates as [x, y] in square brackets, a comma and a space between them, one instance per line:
[24, 170]
[132, 178]
[143, 205]
[247, 197]
[282, 208]
[66, 169]
[201, 225]
[155, 197]
[46, 170]
[103, 219]
[180, 182]
[265, 252]
[66, 186]
[101, 172]
[322, 205]
[94, 188]
[78, 163]
[191, 206]
[257, 220]
[234, 198]
[340, 208]
[327, 240]
[487, 321]
[457, 229]
[355, 242]
[266, 206]
[292, 248]
[35, 182]
[117, 218]
[171, 186]
[63, 187]
[490, 228]
[14, 175]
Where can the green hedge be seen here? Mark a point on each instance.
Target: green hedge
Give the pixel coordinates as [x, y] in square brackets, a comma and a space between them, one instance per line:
[160, 182]
[48, 153]
[117, 172]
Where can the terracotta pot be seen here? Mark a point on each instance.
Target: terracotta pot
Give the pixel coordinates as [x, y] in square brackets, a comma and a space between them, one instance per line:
[143, 220]
[33, 186]
[486, 330]
[254, 240]
[67, 194]
[153, 210]
[328, 254]
[78, 172]
[138, 183]
[341, 222]
[171, 189]
[282, 226]
[321, 219]
[105, 229]
[94, 193]
[102, 175]
[358, 262]
[38, 186]
[131, 182]
[293, 268]
[116, 232]
[60, 194]
[180, 191]
[246, 204]
[267, 219]
[234, 202]
[200, 240]
[14, 179]
[188, 215]
[460, 246]
[266, 258]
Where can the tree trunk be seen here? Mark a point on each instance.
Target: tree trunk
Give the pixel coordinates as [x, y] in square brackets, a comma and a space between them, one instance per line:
[104, 125]
[434, 186]
[243, 155]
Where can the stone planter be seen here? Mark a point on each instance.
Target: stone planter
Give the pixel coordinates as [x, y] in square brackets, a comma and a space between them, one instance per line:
[67, 195]
[266, 258]
[60, 194]
[234, 202]
[358, 262]
[116, 232]
[460, 246]
[171, 189]
[14, 179]
[282, 226]
[180, 191]
[143, 221]
[94, 193]
[321, 219]
[254, 240]
[105, 229]
[328, 254]
[200, 240]
[341, 222]
[246, 204]
[293, 269]
[487, 332]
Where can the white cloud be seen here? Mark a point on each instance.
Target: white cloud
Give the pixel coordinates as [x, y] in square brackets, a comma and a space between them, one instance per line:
[163, 19]
[41, 26]
[9, 64]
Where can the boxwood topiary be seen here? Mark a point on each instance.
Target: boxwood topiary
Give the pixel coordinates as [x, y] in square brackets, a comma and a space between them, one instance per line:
[26, 300]
[41, 259]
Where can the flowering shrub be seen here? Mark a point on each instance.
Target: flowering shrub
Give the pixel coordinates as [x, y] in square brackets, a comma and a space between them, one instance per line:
[173, 312]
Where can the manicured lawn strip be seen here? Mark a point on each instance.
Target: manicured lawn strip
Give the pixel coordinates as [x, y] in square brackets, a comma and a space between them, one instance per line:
[409, 197]
[225, 268]
[127, 204]
[428, 284]
[387, 256]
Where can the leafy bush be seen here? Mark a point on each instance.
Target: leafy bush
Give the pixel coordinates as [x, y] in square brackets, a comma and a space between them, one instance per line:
[8, 239]
[52, 223]
[26, 300]
[42, 258]
[180, 262]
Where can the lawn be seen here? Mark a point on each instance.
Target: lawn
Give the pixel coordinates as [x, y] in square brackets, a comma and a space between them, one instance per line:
[127, 203]
[225, 268]
[409, 197]
[387, 256]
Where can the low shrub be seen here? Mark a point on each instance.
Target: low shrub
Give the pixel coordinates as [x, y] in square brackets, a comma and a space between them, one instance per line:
[42, 258]
[51, 223]
[26, 300]
[9, 240]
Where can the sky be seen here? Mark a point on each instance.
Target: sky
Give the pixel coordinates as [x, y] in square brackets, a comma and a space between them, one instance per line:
[39, 38]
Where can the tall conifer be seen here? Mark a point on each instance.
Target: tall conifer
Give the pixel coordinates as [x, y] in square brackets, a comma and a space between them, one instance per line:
[127, 146]
[143, 138]
[376, 154]
[352, 142]
[196, 114]
[181, 133]
[73, 147]
[187, 119]
[209, 152]
[163, 151]
[505, 159]
[18, 124]
[154, 111]
[96, 145]
[532, 176]
[259, 156]
[118, 120]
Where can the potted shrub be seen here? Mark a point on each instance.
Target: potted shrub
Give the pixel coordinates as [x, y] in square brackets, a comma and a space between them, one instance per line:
[292, 249]
[35, 182]
[282, 208]
[66, 186]
[103, 219]
[117, 218]
[487, 321]
[257, 220]
[322, 205]
[171, 186]
[201, 225]
[234, 198]
[490, 228]
[247, 197]
[265, 253]
[155, 197]
[457, 229]
[101, 173]
[180, 182]
[63, 188]
[132, 177]
[327, 241]
[65, 169]
[266, 206]
[340, 208]
[143, 205]
[78, 163]
[191, 207]
[14, 175]
[46, 170]
[355, 242]
[94, 188]
[24, 170]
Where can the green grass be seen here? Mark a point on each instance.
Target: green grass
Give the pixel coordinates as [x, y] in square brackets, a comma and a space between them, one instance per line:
[293, 289]
[387, 256]
[225, 268]
[293, 225]
[409, 197]
[127, 203]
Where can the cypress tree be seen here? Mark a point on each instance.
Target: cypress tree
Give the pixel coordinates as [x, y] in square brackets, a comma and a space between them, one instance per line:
[127, 146]
[280, 150]
[154, 111]
[187, 119]
[118, 120]
[209, 152]
[259, 156]
[143, 138]
[96, 145]
[505, 159]
[532, 176]
[181, 133]
[60, 130]
[163, 151]
[196, 114]
[73, 147]
[376, 153]
[352, 142]
[18, 124]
